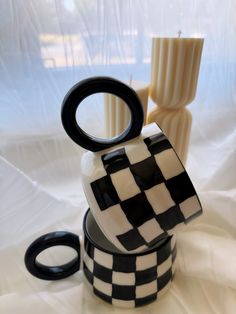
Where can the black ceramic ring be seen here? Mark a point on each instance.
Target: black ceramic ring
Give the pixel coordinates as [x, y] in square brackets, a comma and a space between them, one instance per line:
[95, 85]
[44, 242]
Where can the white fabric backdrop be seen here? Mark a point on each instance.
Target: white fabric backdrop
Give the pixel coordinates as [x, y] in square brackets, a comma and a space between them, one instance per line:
[47, 46]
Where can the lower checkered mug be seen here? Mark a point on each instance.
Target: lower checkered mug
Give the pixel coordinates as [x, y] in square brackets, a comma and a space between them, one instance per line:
[124, 280]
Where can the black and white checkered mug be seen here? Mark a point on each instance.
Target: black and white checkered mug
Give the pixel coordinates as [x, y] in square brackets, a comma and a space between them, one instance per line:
[135, 184]
[124, 280]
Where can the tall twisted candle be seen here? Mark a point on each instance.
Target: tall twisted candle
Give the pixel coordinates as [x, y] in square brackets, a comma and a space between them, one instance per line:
[175, 67]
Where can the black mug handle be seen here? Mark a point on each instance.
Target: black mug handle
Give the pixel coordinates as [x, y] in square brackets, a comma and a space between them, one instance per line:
[49, 240]
[95, 85]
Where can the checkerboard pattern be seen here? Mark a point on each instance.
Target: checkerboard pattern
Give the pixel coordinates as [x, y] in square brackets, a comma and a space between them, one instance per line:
[145, 193]
[130, 280]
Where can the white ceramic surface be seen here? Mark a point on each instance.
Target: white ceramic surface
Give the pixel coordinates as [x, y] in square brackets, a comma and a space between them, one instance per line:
[142, 195]
[126, 280]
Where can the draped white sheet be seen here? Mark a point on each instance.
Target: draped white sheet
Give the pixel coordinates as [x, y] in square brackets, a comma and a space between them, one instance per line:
[46, 47]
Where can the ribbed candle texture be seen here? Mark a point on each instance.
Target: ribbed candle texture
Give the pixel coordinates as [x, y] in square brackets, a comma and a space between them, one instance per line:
[176, 124]
[175, 67]
[117, 114]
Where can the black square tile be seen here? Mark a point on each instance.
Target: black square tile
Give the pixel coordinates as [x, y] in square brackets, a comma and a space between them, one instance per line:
[180, 187]
[103, 296]
[89, 248]
[88, 274]
[131, 240]
[147, 173]
[146, 300]
[115, 161]
[103, 273]
[137, 209]
[170, 218]
[145, 276]
[104, 192]
[124, 263]
[159, 238]
[163, 280]
[157, 143]
[164, 252]
[123, 292]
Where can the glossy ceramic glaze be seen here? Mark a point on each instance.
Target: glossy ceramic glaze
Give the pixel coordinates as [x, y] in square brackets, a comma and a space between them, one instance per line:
[45, 272]
[92, 86]
[126, 280]
[139, 191]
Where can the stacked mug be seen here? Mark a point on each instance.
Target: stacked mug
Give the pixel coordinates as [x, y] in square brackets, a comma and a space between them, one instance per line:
[139, 195]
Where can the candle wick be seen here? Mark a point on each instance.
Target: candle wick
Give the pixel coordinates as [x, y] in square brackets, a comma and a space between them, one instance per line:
[179, 33]
[130, 80]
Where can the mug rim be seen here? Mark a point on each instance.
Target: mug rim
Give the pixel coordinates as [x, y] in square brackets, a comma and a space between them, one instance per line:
[96, 244]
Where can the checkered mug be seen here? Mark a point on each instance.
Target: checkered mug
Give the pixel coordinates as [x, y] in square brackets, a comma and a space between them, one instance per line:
[135, 184]
[124, 280]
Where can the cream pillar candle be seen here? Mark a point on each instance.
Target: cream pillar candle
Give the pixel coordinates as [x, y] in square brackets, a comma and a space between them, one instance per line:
[175, 67]
[176, 124]
[117, 114]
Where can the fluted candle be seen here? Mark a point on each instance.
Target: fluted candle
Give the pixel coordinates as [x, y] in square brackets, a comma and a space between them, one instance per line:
[176, 124]
[117, 114]
[175, 67]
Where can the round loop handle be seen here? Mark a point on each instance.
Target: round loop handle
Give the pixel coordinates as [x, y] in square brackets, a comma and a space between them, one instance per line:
[95, 85]
[46, 241]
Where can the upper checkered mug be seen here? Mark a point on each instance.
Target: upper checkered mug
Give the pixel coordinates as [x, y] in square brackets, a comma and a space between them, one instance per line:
[135, 184]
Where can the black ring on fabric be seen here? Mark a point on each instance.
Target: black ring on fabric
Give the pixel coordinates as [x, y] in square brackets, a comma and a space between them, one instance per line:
[46, 241]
